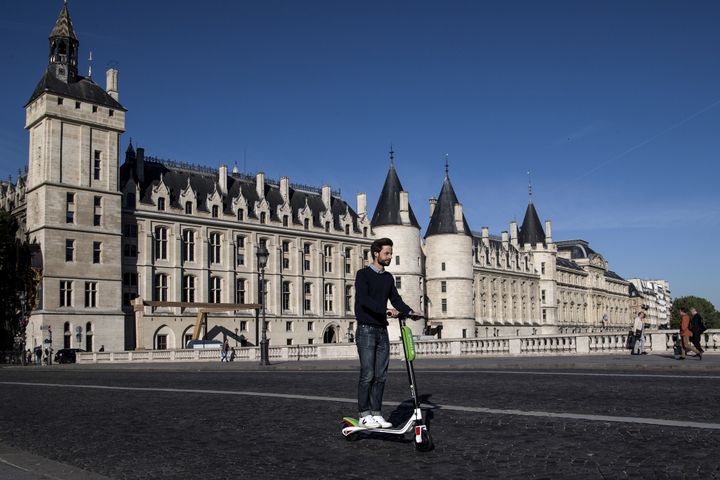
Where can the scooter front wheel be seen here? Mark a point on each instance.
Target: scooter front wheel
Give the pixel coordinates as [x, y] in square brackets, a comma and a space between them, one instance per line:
[425, 444]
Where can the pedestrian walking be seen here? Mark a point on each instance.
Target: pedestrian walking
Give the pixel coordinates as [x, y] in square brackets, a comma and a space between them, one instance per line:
[38, 356]
[697, 327]
[686, 334]
[638, 327]
[225, 351]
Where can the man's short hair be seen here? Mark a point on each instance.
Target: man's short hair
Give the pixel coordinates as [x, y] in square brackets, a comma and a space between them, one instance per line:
[378, 245]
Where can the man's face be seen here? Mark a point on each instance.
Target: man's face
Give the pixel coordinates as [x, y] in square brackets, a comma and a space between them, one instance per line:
[385, 255]
[693, 311]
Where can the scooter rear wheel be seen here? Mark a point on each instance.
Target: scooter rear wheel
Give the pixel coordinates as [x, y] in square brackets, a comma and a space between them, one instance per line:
[426, 444]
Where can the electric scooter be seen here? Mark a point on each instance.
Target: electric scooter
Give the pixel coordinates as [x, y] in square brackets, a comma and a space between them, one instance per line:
[423, 441]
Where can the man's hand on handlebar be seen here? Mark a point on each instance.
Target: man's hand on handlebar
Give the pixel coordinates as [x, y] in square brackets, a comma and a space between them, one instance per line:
[391, 312]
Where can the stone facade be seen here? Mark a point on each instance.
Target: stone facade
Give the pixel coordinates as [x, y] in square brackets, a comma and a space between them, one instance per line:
[160, 230]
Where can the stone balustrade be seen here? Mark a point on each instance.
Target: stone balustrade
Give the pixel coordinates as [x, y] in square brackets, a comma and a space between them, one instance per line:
[656, 341]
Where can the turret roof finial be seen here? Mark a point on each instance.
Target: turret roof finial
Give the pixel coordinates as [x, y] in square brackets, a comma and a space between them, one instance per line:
[392, 156]
[529, 187]
[446, 165]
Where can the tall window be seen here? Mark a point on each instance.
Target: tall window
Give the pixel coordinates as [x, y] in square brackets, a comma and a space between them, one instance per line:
[215, 290]
[241, 214]
[286, 296]
[285, 221]
[161, 204]
[398, 282]
[160, 287]
[348, 261]
[285, 254]
[188, 208]
[328, 297]
[97, 162]
[70, 208]
[188, 250]
[443, 305]
[97, 252]
[348, 298]
[130, 230]
[188, 291]
[307, 301]
[263, 217]
[397, 260]
[542, 268]
[306, 257]
[306, 223]
[160, 243]
[69, 250]
[328, 251]
[442, 266]
[97, 211]
[443, 286]
[130, 200]
[66, 293]
[214, 247]
[90, 294]
[240, 290]
[240, 251]
[215, 211]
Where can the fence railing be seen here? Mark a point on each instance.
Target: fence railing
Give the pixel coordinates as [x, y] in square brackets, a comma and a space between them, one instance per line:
[656, 341]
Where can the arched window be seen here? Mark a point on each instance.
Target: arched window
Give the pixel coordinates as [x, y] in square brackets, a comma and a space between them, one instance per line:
[188, 250]
[214, 247]
[67, 335]
[161, 236]
[88, 337]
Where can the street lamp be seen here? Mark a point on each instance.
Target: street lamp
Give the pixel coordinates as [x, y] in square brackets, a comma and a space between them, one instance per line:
[262, 258]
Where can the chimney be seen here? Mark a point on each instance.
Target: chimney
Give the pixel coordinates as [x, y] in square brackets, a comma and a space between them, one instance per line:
[486, 236]
[504, 236]
[433, 202]
[140, 164]
[260, 184]
[513, 233]
[326, 194]
[111, 81]
[222, 179]
[362, 203]
[459, 217]
[285, 189]
[548, 232]
[404, 207]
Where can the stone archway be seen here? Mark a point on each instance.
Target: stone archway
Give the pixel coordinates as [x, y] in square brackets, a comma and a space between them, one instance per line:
[164, 338]
[331, 334]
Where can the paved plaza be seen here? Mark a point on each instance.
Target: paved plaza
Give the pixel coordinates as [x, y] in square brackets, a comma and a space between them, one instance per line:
[597, 417]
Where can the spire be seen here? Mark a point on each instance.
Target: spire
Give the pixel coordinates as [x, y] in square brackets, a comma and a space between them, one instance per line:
[446, 166]
[443, 217]
[387, 211]
[529, 187]
[531, 231]
[64, 48]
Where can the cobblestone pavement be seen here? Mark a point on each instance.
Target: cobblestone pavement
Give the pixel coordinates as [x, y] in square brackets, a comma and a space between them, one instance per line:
[154, 434]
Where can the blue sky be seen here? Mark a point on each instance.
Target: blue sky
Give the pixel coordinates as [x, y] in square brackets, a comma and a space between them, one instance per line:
[613, 106]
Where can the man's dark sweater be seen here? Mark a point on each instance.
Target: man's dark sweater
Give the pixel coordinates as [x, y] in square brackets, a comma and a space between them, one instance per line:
[372, 292]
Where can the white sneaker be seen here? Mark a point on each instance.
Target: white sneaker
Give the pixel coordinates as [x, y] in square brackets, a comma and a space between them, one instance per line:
[382, 422]
[368, 421]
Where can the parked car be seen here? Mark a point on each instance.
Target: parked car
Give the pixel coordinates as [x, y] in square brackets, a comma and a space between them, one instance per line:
[67, 355]
[214, 344]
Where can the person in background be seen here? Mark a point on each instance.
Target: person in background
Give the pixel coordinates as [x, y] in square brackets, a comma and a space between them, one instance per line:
[638, 327]
[697, 327]
[686, 334]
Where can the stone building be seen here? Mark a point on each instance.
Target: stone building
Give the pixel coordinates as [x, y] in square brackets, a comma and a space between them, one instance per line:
[173, 232]
[654, 297]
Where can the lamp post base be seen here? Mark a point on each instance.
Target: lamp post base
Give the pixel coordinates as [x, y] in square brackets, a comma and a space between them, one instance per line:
[264, 352]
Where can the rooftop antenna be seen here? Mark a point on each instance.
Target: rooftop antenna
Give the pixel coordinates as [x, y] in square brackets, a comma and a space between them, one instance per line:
[89, 60]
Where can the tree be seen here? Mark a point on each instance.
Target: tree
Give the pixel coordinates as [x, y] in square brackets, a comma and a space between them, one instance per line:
[704, 307]
[17, 284]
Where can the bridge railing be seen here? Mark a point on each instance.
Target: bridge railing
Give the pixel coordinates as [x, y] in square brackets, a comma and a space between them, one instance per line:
[656, 341]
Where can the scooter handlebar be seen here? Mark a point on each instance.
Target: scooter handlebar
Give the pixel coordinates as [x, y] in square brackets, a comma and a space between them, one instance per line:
[411, 316]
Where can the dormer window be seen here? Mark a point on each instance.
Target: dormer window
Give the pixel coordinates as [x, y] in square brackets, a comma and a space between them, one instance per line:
[263, 217]
[60, 101]
[241, 214]
[215, 211]
[161, 204]
[188, 208]
[111, 112]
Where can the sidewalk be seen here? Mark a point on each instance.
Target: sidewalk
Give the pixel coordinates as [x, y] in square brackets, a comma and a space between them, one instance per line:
[625, 362]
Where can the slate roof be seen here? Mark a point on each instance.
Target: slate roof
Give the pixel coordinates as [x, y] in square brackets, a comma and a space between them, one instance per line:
[577, 248]
[613, 275]
[387, 211]
[83, 89]
[565, 263]
[204, 181]
[63, 25]
[443, 217]
[531, 231]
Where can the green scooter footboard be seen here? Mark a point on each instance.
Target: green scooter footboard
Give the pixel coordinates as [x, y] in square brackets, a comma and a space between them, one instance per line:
[407, 339]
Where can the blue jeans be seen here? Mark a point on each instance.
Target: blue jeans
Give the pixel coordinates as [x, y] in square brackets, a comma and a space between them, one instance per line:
[373, 347]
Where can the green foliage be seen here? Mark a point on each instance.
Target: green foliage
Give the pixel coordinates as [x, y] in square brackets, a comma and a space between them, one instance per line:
[17, 279]
[707, 311]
